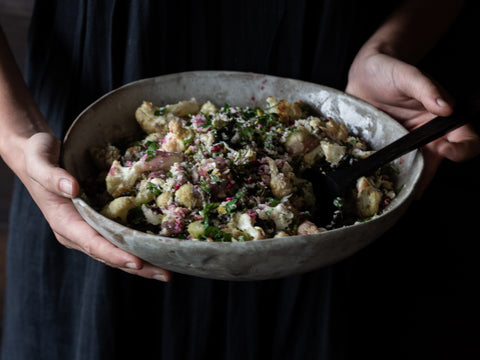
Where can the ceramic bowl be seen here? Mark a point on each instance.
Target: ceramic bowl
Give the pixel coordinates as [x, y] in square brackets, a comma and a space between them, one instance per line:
[112, 117]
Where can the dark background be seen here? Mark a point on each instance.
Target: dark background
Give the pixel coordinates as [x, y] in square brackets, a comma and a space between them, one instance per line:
[427, 289]
[14, 18]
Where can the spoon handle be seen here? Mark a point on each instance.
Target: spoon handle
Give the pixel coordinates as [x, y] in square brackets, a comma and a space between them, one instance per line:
[418, 137]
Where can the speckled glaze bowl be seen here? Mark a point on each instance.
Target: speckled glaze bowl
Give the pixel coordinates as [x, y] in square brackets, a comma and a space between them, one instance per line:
[112, 117]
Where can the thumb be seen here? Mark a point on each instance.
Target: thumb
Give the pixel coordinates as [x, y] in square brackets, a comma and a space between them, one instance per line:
[42, 153]
[416, 85]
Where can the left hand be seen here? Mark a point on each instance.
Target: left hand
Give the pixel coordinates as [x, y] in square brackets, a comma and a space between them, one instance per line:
[411, 97]
[52, 189]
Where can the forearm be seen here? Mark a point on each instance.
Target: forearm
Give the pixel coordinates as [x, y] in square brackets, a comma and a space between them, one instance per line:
[20, 117]
[414, 28]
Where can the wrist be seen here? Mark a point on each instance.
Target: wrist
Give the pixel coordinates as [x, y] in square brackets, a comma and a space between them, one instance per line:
[19, 122]
[13, 147]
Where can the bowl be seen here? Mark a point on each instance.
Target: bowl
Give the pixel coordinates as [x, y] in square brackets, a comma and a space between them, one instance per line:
[112, 117]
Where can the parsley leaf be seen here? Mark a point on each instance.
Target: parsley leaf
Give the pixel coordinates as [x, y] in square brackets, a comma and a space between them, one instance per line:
[161, 111]
[151, 148]
[233, 204]
[216, 234]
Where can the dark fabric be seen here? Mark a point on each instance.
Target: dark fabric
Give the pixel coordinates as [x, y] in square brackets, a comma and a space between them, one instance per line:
[63, 305]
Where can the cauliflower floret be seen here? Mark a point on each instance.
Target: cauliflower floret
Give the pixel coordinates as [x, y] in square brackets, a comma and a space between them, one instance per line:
[312, 156]
[185, 196]
[151, 216]
[336, 131]
[300, 141]
[148, 188]
[362, 154]
[308, 227]
[279, 183]
[173, 143]
[208, 108]
[120, 179]
[245, 223]
[175, 127]
[174, 140]
[286, 111]
[153, 119]
[144, 194]
[333, 152]
[164, 199]
[241, 224]
[118, 208]
[315, 123]
[149, 122]
[281, 215]
[368, 198]
[196, 229]
[183, 108]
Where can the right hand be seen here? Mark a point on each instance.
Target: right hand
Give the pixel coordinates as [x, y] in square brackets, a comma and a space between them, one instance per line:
[52, 189]
[412, 98]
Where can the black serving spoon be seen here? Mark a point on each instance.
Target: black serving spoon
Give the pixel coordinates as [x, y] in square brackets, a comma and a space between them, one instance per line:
[328, 186]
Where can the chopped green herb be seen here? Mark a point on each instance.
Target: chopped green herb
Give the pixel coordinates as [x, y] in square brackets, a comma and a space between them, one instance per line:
[207, 210]
[205, 186]
[188, 141]
[273, 201]
[151, 149]
[233, 204]
[338, 202]
[215, 234]
[215, 178]
[154, 189]
[161, 111]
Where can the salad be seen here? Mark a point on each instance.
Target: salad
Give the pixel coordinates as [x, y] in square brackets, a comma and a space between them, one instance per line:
[231, 173]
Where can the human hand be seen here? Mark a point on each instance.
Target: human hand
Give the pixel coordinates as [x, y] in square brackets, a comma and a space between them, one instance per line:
[411, 97]
[52, 189]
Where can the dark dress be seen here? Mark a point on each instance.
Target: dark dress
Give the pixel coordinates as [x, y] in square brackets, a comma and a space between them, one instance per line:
[63, 305]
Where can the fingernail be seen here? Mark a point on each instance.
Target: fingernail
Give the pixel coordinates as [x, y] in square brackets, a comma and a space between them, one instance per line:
[441, 102]
[66, 187]
[160, 277]
[131, 265]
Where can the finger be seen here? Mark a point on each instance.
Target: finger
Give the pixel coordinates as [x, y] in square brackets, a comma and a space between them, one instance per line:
[77, 234]
[150, 271]
[94, 245]
[416, 85]
[41, 156]
[69, 227]
[460, 145]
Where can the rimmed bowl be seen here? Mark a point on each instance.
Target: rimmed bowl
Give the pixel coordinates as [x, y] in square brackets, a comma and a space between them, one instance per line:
[112, 117]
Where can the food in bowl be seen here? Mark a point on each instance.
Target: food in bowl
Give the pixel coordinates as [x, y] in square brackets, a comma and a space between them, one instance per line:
[230, 173]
